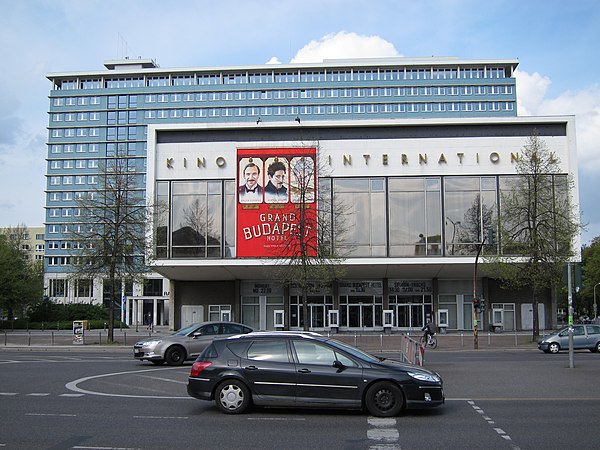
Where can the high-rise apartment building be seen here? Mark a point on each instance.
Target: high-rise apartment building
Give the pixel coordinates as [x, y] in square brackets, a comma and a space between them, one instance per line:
[412, 143]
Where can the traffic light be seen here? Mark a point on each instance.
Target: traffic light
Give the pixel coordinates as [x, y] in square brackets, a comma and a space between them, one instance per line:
[481, 304]
[476, 303]
[491, 236]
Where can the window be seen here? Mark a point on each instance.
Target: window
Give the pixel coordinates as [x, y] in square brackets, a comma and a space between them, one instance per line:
[269, 350]
[364, 201]
[197, 209]
[313, 353]
[153, 287]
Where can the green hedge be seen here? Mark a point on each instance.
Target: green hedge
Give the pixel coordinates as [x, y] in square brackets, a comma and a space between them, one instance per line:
[26, 324]
[47, 315]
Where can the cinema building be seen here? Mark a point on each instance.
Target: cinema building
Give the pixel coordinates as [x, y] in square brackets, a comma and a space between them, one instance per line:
[415, 151]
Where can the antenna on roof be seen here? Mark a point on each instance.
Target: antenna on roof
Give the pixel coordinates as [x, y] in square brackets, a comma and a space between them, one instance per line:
[122, 47]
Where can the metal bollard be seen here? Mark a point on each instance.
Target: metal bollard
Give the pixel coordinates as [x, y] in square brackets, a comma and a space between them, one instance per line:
[52, 338]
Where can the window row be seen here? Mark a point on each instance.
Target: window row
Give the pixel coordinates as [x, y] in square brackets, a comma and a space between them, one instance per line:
[383, 217]
[193, 79]
[363, 108]
[112, 148]
[64, 212]
[57, 196]
[73, 179]
[74, 164]
[76, 101]
[130, 101]
[75, 132]
[112, 133]
[329, 93]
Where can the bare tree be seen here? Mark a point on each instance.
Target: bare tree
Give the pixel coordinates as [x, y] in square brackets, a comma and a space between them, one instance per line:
[310, 255]
[109, 235]
[537, 225]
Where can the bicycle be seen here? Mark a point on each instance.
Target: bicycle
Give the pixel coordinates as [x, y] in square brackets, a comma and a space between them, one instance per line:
[431, 341]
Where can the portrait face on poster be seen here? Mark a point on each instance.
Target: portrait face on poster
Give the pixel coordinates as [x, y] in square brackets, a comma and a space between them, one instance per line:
[250, 186]
[276, 199]
[277, 171]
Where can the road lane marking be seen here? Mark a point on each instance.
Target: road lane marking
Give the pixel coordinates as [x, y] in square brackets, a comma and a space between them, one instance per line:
[287, 419]
[383, 434]
[490, 422]
[161, 417]
[164, 379]
[73, 385]
[50, 415]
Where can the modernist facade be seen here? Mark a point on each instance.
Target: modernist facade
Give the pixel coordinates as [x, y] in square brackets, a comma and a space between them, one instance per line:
[416, 151]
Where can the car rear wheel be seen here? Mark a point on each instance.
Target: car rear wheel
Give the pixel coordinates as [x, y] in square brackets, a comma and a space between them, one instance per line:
[232, 397]
[596, 348]
[175, 356]
[554, 347]
[384, 399]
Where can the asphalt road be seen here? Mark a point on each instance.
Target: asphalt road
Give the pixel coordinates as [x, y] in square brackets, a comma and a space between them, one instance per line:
[103, 399]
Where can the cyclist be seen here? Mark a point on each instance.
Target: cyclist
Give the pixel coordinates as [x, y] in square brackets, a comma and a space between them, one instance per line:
[430, 329]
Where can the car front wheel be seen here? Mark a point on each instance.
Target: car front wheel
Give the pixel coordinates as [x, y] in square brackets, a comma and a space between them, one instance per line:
[384, 399]
[175, 356]
[554, 347]
[232, 397]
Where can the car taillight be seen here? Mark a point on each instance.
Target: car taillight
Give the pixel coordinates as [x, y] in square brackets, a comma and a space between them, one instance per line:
[199, 367]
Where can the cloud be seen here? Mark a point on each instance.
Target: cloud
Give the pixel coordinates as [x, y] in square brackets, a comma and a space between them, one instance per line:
[345, 45]
[584, 104]
[273, 60]
[531, 90]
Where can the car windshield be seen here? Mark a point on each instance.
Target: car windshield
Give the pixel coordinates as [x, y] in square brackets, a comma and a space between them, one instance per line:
[354, 351]
[185, 331]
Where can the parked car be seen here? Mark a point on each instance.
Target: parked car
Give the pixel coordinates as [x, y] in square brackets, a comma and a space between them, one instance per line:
[297, 369]
[186, 343]
[584, 337]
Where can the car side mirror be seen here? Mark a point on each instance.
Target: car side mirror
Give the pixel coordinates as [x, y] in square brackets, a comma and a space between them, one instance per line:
[338, 365]
[197, 334]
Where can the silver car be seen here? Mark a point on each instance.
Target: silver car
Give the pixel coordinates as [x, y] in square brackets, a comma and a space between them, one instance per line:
[186, 343]
[584, 337]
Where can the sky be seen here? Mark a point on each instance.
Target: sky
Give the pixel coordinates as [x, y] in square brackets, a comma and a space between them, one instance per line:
[556, 42]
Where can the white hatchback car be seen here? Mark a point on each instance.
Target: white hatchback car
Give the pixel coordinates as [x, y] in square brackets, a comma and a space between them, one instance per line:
[584, 337]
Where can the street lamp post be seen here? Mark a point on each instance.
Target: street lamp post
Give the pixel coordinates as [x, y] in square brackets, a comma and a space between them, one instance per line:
[595, 304]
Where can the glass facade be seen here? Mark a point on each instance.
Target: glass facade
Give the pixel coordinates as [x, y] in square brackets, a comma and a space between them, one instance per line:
[382, 217]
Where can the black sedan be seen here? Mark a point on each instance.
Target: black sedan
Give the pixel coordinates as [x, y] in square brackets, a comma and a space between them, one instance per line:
[295, 369]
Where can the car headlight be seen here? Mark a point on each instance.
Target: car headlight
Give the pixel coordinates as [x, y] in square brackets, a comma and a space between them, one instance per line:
[424, 376]
[152, 344]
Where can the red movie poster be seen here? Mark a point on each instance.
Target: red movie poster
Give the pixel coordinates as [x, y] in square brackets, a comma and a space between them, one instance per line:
[276, 202]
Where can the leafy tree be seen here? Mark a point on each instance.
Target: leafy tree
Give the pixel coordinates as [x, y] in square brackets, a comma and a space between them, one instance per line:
[110, 234]
[537, 226]
[591, 273]
[21, 278]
